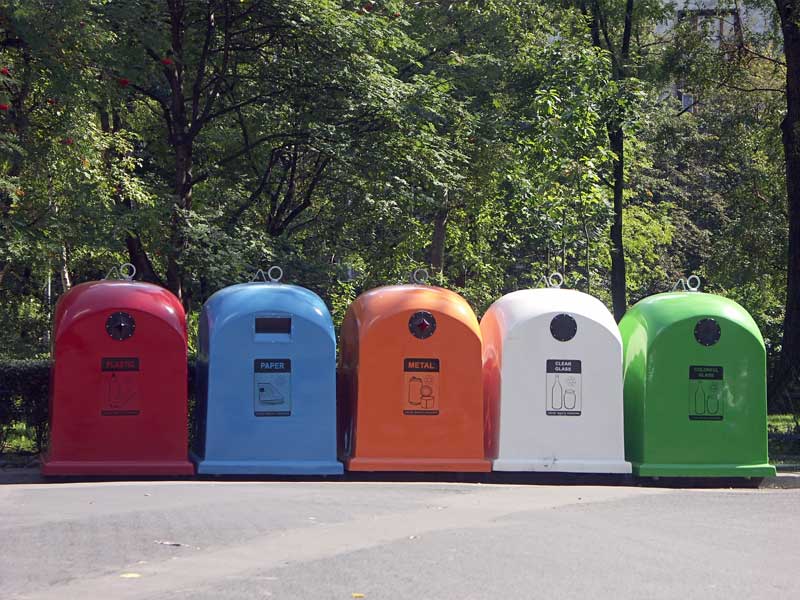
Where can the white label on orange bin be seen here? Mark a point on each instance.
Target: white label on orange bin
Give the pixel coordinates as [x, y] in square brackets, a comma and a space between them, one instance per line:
[421, 390]
[121, 386]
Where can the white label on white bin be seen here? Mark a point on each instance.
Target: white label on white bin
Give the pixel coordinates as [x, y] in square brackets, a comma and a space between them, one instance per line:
[563, 388]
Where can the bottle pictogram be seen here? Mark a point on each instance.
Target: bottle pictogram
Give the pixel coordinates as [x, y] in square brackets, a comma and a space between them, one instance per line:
[557, 395]
[700, 399]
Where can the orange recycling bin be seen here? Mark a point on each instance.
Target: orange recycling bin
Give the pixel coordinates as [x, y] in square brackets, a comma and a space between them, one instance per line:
[410, 382]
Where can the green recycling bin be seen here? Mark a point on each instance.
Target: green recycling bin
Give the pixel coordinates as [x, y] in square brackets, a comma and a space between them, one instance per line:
[694, 368]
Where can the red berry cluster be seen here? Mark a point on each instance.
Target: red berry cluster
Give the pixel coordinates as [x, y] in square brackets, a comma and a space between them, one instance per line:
[371, 5]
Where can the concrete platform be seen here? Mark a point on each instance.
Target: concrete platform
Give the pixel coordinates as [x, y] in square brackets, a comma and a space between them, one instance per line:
[339, 539]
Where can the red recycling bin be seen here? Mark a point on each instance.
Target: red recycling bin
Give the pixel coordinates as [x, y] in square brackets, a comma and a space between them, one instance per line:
[118, 390]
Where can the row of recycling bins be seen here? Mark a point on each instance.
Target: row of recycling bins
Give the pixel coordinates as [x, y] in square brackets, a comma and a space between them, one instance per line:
[546, 381]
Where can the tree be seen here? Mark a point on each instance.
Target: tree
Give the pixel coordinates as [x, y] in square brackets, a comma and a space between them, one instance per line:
[789, 12]
[617, 27]
[267, 103]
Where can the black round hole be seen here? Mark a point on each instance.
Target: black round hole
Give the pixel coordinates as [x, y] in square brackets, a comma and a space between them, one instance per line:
[563, 328]
[422, 324]
[707, 332]
[120, 326]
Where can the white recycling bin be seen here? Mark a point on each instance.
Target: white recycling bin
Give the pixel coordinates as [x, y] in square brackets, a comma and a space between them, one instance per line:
[552, 368]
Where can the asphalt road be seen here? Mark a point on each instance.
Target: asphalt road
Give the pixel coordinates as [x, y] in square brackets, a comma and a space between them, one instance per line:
[342, 540]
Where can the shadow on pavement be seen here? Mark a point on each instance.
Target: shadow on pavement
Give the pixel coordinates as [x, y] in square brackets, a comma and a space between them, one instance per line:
[28, 473]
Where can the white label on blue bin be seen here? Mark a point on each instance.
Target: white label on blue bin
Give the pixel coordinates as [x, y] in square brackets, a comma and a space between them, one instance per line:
[272, 394]
[563, 388]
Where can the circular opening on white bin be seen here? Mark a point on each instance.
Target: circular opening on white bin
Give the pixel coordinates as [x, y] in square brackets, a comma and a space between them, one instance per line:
[563, 327]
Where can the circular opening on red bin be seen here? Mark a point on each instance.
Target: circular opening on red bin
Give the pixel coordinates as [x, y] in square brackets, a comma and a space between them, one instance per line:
[422, 324]
[120, 326]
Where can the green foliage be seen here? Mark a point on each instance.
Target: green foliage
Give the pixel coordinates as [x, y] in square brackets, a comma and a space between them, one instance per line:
[24, 386]
[351, 142]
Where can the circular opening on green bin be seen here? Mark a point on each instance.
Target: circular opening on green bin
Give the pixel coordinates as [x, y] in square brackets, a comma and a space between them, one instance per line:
[707, 332]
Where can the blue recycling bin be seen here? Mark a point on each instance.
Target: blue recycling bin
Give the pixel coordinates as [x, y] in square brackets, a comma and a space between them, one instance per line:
[266, 383]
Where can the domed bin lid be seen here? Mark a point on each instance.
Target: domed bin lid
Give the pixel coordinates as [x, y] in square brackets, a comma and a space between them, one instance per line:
[383, 303]
[111, 296]
[711, 312]
[558, 305]
[245, 299]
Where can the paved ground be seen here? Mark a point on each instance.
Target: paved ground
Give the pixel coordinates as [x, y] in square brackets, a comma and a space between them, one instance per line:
[413, 540]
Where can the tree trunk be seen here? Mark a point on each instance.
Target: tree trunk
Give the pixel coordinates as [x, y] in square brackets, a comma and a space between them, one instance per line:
[66, 280]
[111, 123]
[789, 11]
[137, 256]
[182, 141]
[618, 292]
[183, 202]
[620, 55]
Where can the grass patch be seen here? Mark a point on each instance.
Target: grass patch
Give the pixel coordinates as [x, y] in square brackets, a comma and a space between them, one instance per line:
[18, 438]
[784, 439]
[782, 423]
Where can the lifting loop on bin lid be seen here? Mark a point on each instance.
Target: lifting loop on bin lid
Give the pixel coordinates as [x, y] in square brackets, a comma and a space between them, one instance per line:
[273, 275]
[125, 271]
[690, 284]
[419, 276]
[554, 280]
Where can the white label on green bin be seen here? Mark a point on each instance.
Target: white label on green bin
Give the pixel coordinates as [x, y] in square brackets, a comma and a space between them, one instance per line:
[706, 392]
[272, 394]
[563, 388]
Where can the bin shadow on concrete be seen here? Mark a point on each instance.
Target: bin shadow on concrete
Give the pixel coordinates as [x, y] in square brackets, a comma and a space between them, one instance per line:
[18, 475]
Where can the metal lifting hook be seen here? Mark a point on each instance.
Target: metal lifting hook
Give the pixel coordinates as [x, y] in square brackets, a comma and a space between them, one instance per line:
[125, 271]
[273, 275]
[554, 280]
[690, 284]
